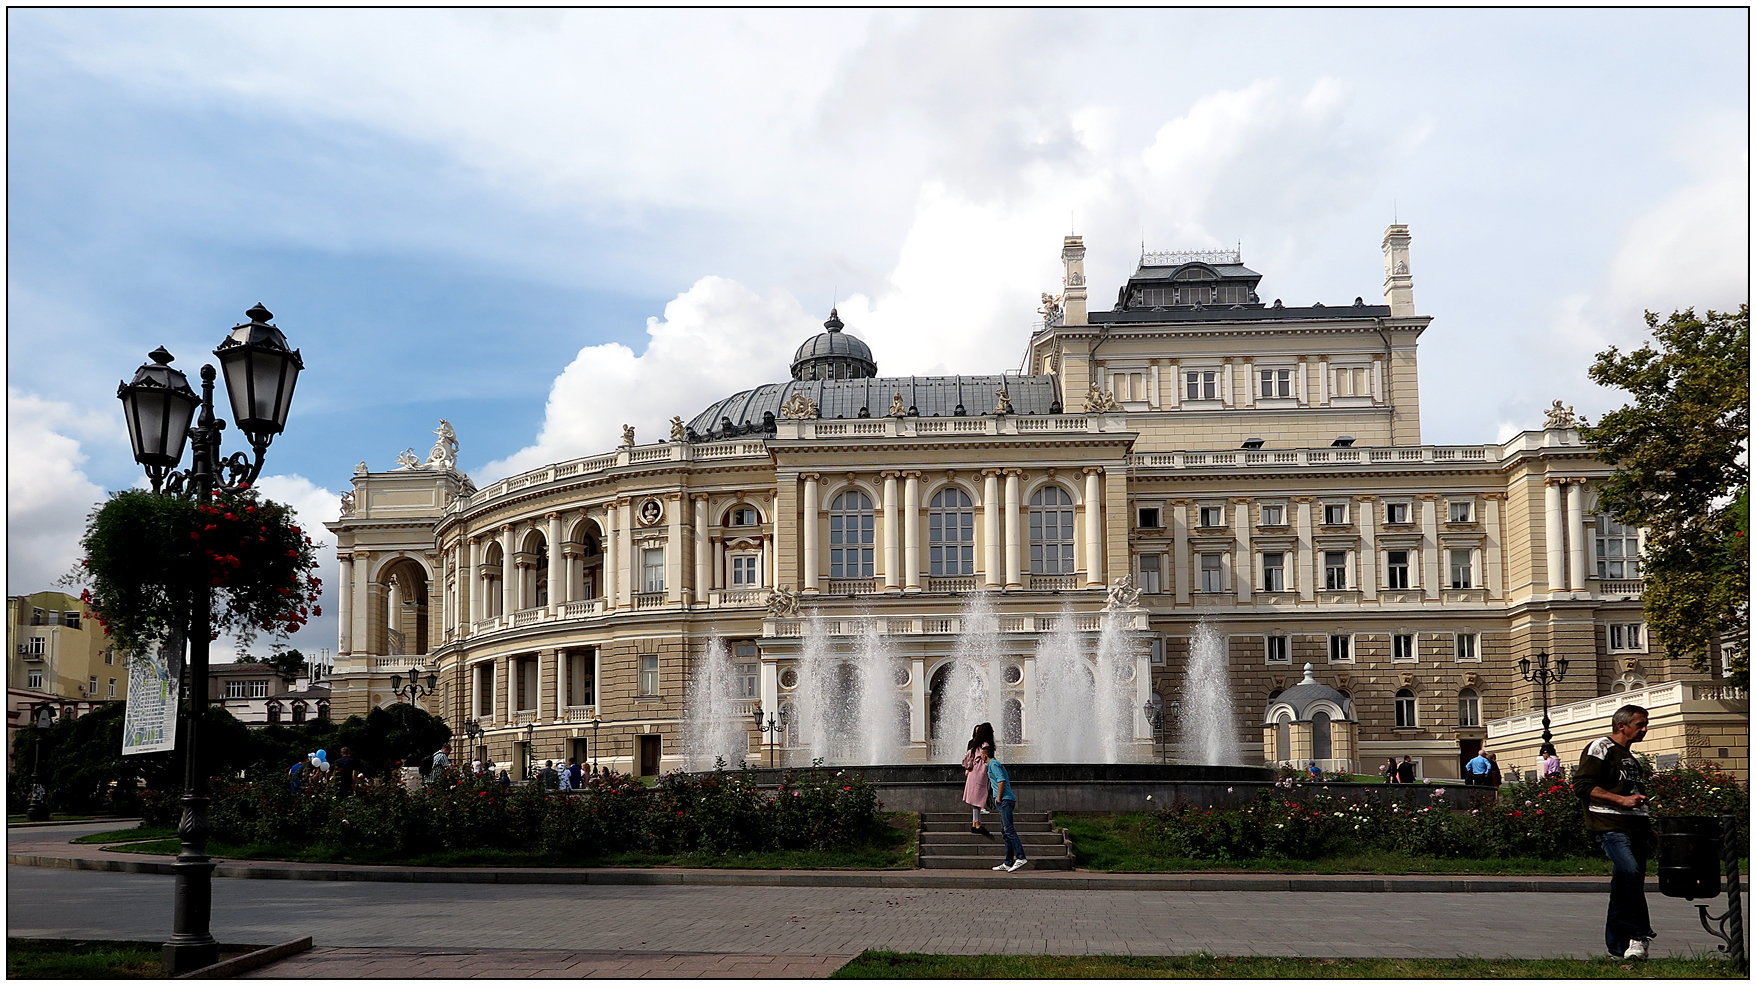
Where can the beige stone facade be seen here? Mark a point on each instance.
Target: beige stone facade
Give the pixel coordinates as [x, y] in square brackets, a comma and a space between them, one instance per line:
[1252, 465]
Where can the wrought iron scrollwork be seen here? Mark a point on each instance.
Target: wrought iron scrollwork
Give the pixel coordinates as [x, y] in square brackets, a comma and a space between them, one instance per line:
[1730, 928]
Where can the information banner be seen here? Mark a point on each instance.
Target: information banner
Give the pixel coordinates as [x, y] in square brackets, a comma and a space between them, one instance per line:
[149, 723]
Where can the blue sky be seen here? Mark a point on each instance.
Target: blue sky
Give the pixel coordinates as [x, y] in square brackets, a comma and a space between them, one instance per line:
[541, 225]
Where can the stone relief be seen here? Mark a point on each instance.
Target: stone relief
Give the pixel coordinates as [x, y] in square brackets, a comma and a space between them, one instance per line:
[676, 429]
[1100, 401]
[1123, 594]
[444, 454]
[1560, 416]
[799, 406]
[783, 602]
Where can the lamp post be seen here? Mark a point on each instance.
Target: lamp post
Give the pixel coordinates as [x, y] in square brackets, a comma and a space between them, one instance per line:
[595, 723]
[42, 717]
[415, 687]
[1543, 677]
[1156, 717]
[771, 729]
[473, 730]
[158, 404]
[530, 760]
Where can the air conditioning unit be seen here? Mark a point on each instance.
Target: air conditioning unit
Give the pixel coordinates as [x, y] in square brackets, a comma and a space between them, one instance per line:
[24, 648]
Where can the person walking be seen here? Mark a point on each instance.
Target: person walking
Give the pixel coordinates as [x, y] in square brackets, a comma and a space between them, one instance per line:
[975, 777]
[1007, 802]
[547, 775]
[1389, 771]
[1476, 771]
[293, 774]
[1551, 762]
[441, 763]
[1612, 783]
[1493, 779]
[1405, 771]
[344, 772]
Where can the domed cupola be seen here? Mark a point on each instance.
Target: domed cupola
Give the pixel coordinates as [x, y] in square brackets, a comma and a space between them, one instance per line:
[833, 355]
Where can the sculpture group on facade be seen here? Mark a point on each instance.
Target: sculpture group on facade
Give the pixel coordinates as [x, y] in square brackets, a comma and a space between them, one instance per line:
[442, 457]
[1099, 401]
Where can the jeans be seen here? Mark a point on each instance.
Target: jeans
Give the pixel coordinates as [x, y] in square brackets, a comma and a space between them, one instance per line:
[1014, 845]
[1627, 918]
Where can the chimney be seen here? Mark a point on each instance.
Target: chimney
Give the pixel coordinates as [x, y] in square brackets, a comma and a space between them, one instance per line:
[1073, 283]
[1399, 284]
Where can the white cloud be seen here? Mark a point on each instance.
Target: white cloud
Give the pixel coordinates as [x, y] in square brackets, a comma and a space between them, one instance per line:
[48, 495]
[715, 339]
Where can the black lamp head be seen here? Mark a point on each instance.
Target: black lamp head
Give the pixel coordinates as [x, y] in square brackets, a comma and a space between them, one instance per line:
[158, 404]
[261, 372]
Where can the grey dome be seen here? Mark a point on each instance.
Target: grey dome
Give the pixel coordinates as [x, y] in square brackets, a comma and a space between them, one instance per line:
[1302, 696]
[833, 355]
[753, 411]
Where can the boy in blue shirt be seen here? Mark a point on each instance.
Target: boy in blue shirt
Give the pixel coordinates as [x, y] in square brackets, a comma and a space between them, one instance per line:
[1001, 785]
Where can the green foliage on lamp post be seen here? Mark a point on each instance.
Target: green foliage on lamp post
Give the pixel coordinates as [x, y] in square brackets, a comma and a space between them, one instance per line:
[1682, 473]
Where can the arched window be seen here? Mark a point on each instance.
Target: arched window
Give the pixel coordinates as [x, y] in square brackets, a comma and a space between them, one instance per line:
[323, 710]
[298, 712]
[1321, 748]
[951, 533]
[1405, 708]
[850, 536]
[274, 712]
[1283, 737]
[494, 569]
[1012, 723]
[1469, 708]
[541, 576]
[1051, 532]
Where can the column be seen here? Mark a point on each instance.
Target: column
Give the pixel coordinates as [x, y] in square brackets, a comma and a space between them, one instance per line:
[504, 681]
[810, 532]
[612, 551]
[703, 554]
[1158, 394]
[1094, 526]
[344, 595]
[362, 613]
[1301, 385]
[1014, 575]
[1491, 574]
[509, 577]
[674, 548]
[1303, 569]
[1176, 385]
[993, 569]
[768, 562]
[557, 566]
[1244, 565]
[719, 563]
[1553, 527]
[1368, 547]
[477, 599]
[1431, 563]
[911, 531]
[548, 672]
[1377, 380]
[1323, 379]
[892, 533]
[1576, 536]
[1180, 549]
[917, 701]
[1250, 387]
[628, 567]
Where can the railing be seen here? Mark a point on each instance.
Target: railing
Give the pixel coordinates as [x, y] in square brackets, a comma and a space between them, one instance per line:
[1621, 587]
[951, 584]
[485, 626]
[851, 587]
[580, 713]
[939, 625]
[726, 598]
[527, 616]
[583, 607]
[649, 600]
[524, 717]
[668, 452]
[744, 708]
[1596, 712]
[1308, 457]
[419, 662]
[1047, 583]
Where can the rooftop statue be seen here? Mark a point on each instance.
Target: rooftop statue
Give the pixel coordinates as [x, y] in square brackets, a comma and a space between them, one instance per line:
[1002, 401]
[1123, 594]
[1560, 416]
[677, 429]
[1099, 401]
[897, 408]
[800, 405]
[1051, 308]
[444, 454]
[627, 436]
[407, 459]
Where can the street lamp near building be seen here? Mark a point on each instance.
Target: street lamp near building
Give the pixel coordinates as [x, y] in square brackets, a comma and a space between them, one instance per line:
[595, 723]
[416, 687]
[158, 404]
[42, 717]
[1543, 676]
[473, 730]
[771, 730]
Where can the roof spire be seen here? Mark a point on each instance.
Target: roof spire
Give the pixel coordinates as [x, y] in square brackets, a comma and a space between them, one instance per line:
[834, 324]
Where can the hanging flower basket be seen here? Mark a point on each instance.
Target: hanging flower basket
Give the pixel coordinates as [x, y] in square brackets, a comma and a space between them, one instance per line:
[147, 554]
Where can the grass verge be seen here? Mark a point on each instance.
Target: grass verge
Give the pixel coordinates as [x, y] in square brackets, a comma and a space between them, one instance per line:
[68, 958]
[140, 833]
[912, 965]
[1126, 843]
[893, 847]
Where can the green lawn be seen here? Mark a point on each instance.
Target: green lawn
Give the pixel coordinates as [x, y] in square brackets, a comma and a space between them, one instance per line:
[893, 848]
[910, 965]
[139, 833]
[1124, 843]
[58, 958]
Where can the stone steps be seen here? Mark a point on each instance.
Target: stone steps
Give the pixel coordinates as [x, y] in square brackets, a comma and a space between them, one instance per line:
[946, 843]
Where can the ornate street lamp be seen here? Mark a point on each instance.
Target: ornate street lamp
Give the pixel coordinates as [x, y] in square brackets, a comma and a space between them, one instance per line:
[772, 729]
[157, 404]
[415, 688]
[595, 723]
[42, 717]
[1543, 677]
[474, 731]
[1156, 717]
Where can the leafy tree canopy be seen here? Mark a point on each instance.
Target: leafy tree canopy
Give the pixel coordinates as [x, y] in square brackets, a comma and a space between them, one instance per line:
[1683, 473]
[287, 663]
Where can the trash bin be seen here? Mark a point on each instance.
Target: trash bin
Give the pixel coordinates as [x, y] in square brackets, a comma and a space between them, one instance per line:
[1688, 856]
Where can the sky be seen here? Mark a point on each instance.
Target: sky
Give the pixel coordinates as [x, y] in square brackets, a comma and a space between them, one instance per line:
[543, 225]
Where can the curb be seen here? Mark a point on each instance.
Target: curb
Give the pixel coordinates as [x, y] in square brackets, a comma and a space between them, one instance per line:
[68, 821]
[250, 960]
[901, 879]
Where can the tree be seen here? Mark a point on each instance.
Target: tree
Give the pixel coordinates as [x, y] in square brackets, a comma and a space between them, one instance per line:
[1681, 453]
[287, 663]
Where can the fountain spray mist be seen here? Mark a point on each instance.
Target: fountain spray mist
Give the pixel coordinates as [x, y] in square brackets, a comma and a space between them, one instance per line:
[712, 727]
[1061, 715]
[973, 686]
[1208, 733]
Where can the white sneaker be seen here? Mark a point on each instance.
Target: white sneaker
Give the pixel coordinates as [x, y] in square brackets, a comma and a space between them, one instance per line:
[1636, 948]
[1002, 867]
[1015, 867]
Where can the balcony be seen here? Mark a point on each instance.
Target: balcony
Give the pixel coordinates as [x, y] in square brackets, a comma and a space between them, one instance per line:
[1051, 583]
[641, 455]
[524, 717]
[736, 598]
[581, 608]
[649, 600]
[939, 625]
[525, 617]
[580, 713]
[851, 587]
[1620, 588]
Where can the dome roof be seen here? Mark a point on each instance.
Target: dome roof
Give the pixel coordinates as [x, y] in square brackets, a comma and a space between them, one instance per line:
[750, 411]
[1303, 698]
[850, 356]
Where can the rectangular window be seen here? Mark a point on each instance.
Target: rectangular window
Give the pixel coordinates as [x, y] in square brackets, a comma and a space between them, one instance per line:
[109, 655]
[1274, 573]
[1149, 573]
[112, 688]
[35, 646]
[1618, 550]
[1335, 513]
[1277, 383]
[649, 677]
[33, 678]
[747, 680]
[1460, 573]
[1396, 513]
[70, 619]
[37, 616]
[653, 568]
[1469, 708]
[1402, 647]
[1211, 516]
[1625, 636]
[485, 690]
[1460, 511]
[743, 571]
[1466, 646]
[1341, 649]
[1396, 569]
[744, 517]
[1278, 652]
[1405, 710]
[1210, 574]
[258, 688]
[1272, 517]
[1335, 570]
[92, 687]
[1148, 517]
[1202, 385]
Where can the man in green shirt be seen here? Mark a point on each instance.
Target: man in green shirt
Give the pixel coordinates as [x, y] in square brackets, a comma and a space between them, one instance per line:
[1612, 784]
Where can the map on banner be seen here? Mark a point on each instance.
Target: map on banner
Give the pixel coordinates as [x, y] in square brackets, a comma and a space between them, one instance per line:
[149, 723]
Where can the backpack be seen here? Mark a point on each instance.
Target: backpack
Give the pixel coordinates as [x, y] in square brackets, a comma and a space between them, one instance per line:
[426, 764]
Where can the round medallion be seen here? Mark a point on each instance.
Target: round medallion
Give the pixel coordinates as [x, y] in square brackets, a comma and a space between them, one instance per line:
[901, 676]
[652, 510]
[789, 678]
[1013, 674]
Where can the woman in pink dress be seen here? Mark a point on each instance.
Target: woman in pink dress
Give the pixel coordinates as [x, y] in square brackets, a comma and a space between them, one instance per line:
[975, 774]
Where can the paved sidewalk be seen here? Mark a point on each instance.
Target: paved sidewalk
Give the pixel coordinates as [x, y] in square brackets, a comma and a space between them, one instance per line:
[505, 963]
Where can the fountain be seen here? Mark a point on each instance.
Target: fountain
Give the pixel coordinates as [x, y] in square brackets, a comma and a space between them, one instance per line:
[714, 730]
[973, 692]
[1208, 732]
[1061, 710]
[849, 709]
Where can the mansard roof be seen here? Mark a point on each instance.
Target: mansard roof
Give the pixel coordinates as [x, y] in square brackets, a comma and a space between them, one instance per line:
[929, 397]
